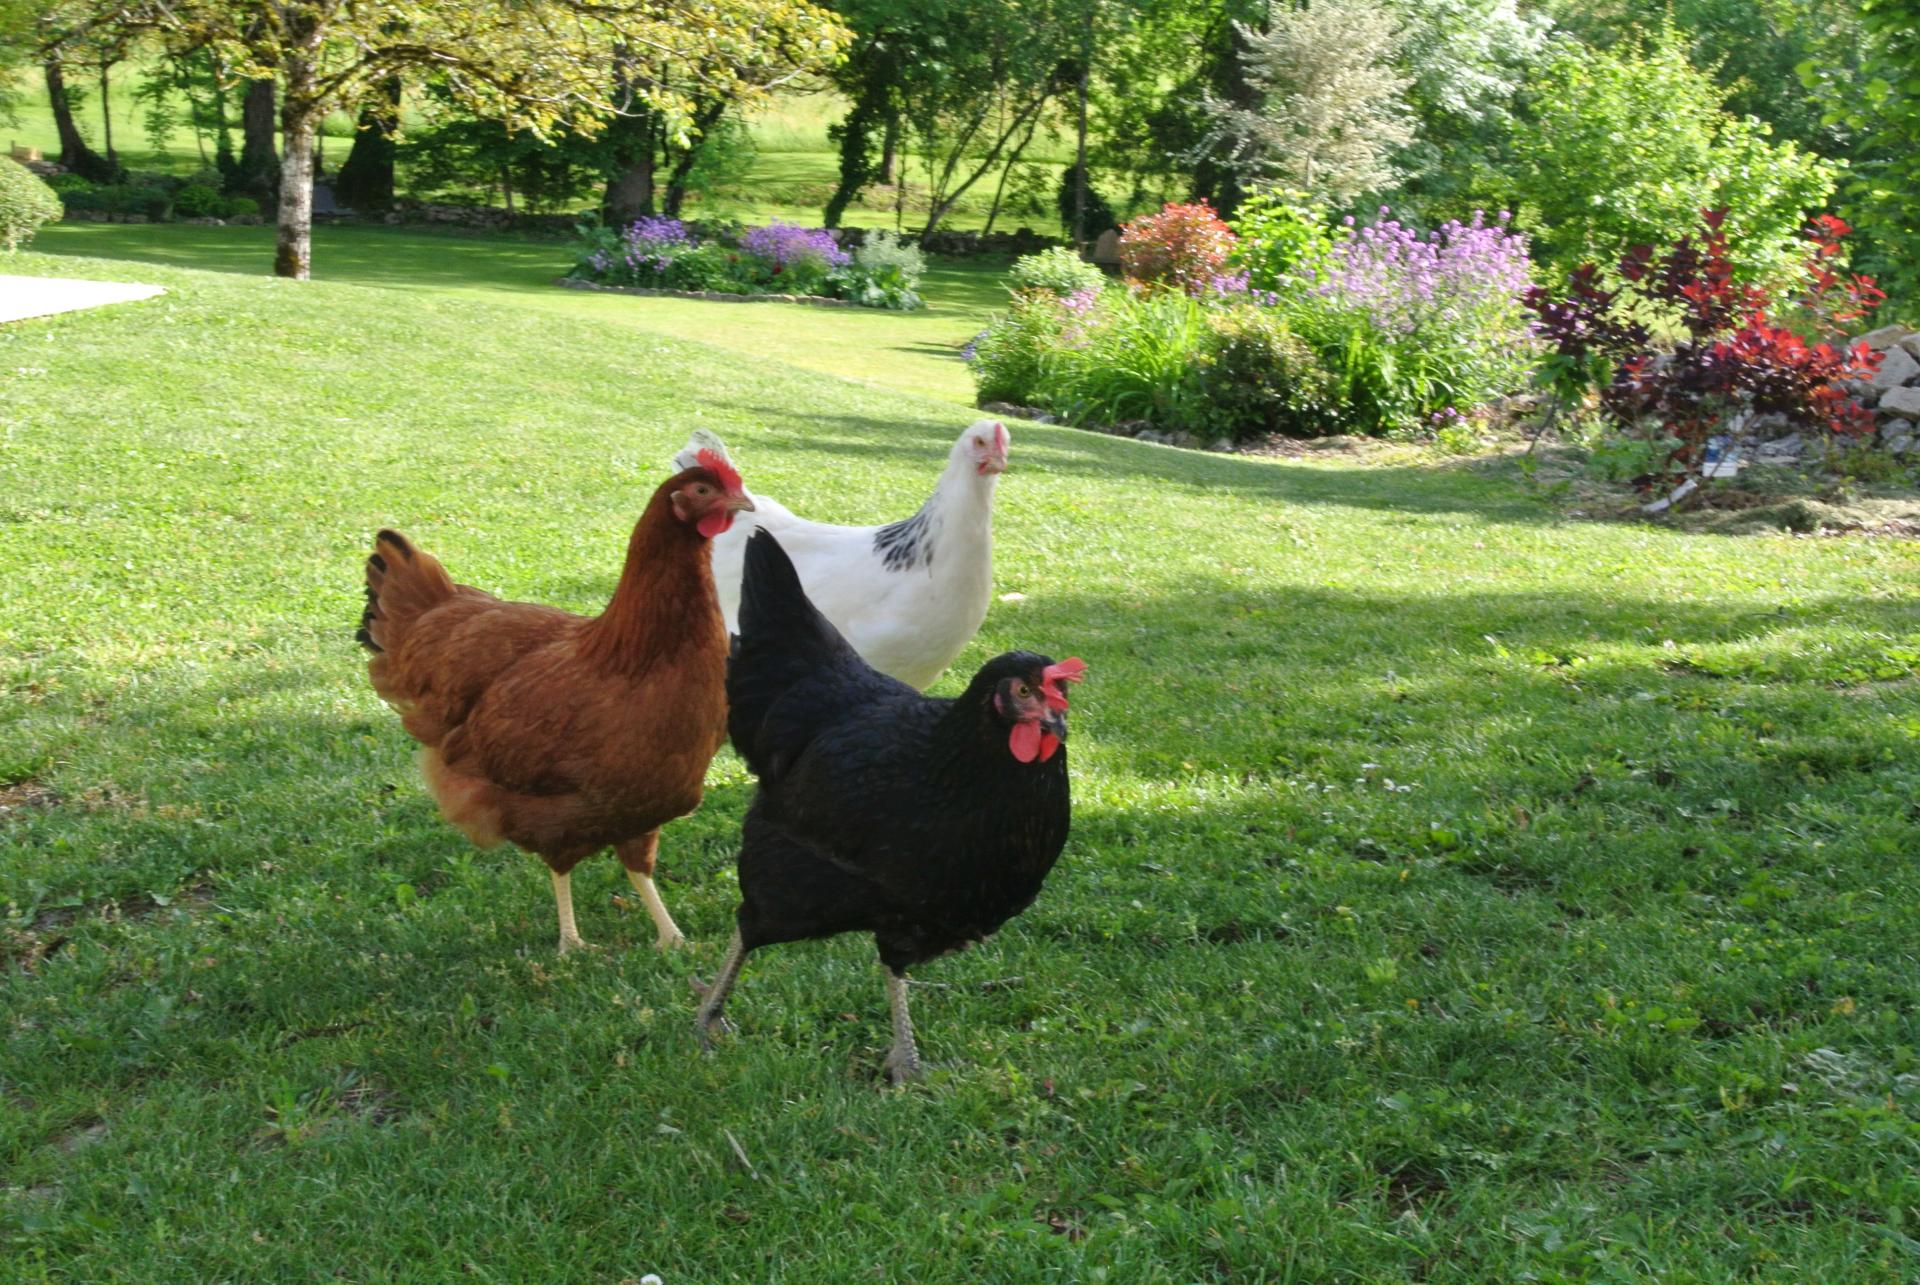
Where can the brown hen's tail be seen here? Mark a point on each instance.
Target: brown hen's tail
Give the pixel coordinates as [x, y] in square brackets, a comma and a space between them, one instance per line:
[402, 585]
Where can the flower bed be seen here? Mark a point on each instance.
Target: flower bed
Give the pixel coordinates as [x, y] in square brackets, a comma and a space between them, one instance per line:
[1279, 323]
[776, 262]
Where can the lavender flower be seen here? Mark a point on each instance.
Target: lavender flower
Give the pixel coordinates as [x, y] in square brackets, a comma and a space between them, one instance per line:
[651, 243]
[783, 245]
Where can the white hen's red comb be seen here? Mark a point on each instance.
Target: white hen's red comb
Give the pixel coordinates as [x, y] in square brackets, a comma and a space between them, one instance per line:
[718, 465]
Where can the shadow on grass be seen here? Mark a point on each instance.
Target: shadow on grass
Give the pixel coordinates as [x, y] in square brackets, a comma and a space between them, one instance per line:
[1468, 487]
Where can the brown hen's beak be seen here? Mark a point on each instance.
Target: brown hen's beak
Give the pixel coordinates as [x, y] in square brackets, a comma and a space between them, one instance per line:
[739, 504]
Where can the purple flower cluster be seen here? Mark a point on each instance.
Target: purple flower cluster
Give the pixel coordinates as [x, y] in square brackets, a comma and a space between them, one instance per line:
[1462, 276]
[783, 245]
[652, 241]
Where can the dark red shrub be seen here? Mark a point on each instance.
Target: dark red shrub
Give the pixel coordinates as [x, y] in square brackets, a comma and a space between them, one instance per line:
[1728, 360]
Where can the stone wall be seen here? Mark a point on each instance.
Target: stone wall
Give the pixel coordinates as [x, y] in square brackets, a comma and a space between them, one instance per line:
[1893, 394]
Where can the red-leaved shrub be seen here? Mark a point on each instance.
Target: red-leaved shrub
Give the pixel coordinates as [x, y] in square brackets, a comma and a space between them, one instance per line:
[1731, 361]
[1184, 247]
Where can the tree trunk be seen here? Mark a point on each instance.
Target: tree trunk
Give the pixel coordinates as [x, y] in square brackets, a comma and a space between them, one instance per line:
[75, 155]
[704, 119]
[365, 182]
[889, 149]
[259, 175]
[1080, 145]
[293, 253]
[630, 192]
[106, 117]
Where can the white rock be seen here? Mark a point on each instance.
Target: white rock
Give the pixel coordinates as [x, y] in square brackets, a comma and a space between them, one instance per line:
[1885, 337]
[1896, 428]
[1901, 401]
[1912, 344]
[1897, 445]
[1897, 366]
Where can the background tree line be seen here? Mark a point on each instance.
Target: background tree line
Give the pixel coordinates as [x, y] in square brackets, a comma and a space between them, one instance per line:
[1597, 122]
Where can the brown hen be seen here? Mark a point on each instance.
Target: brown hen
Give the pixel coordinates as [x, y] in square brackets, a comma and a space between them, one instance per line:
[559, 733]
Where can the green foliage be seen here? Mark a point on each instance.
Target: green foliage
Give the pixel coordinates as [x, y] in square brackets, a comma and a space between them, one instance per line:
[1056, 268]
[714, 267]
[1098, 215]
[1135, 355]
[240, 207]
[26, 204]
[1006, 358]
[198, 201]
[1881, 196]
[1262, 378]
[1626, 147]
[1281, 232]
[885, 273]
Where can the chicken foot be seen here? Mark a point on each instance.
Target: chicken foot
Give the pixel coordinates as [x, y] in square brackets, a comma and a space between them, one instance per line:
[667, 933]
[713, 995]
[903, 1060]
[637, 858]
[563, 899]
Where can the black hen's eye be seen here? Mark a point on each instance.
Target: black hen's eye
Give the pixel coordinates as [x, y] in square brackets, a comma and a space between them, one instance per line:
[1023, 691]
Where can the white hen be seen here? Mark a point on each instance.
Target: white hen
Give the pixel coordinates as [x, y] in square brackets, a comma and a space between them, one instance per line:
[908, 595]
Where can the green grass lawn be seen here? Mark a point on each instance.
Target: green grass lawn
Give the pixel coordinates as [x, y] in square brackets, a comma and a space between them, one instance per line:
[916, 352]
[1457, 892]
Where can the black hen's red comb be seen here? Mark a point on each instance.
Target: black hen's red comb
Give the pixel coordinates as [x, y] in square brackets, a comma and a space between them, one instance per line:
[718, 465]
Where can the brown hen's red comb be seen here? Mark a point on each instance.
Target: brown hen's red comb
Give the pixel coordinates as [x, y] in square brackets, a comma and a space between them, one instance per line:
[716, 463]
[1071, 670]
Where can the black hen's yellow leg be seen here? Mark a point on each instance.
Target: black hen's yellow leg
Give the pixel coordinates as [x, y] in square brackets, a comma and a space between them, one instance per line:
[713, 995]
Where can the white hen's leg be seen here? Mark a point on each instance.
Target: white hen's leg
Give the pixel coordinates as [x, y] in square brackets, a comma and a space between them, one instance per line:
[903, 1060]
[713, 995]
[563, 899]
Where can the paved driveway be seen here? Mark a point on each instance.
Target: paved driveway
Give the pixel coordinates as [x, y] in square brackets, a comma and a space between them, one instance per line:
[22, 297]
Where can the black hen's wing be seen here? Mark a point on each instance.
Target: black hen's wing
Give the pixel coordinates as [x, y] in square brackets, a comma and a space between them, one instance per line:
[791, 673]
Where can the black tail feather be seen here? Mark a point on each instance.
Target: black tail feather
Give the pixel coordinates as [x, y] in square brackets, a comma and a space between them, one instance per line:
[783, 641]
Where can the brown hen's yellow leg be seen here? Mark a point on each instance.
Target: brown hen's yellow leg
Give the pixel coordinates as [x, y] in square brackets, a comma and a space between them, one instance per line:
[903, 1060]
[636, 858]
[563, 898]
[668, 934]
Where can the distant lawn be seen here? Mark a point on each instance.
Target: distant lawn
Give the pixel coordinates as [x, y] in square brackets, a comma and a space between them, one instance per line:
[915, 352]
[1457, 893]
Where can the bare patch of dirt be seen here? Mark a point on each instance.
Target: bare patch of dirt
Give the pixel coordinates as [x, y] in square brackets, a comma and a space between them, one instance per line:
[22, 796]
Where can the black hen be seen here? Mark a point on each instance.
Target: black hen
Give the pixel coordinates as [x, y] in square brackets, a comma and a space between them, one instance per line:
[928, 823]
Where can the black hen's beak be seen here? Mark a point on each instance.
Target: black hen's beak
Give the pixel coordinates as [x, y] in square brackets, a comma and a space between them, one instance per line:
[1054, 721]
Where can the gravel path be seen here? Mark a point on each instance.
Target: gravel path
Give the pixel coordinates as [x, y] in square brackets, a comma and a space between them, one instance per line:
[22, 297]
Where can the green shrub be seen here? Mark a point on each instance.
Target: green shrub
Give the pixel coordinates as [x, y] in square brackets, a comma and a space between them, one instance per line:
[1134, 356]
[1280, 233]
[1629, 144]
[239, 207]
[68, 182]
[712, 267]
[198, 201]
[1260, 377]
[1057, 269]
[26, 204]
[885, 273]
[1006, 356]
